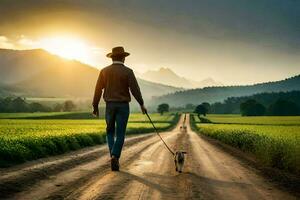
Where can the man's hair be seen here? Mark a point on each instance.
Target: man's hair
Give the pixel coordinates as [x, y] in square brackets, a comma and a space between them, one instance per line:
[117, 58]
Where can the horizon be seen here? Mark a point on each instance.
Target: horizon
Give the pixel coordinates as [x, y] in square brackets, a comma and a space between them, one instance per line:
[206, 39]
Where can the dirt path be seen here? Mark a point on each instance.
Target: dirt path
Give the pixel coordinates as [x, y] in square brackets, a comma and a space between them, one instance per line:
[147, 172]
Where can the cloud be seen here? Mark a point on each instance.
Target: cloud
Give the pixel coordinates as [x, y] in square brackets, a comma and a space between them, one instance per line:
[259, 21]
[21, 42]
[5, 43]
[27, 42]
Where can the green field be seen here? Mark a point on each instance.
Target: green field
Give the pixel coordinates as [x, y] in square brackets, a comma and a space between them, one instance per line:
[261, 120]
[82, 115]
[45, 115]
[275, 141]
[27, 139]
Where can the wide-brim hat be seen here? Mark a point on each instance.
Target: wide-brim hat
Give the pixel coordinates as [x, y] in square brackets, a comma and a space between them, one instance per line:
[117, 51]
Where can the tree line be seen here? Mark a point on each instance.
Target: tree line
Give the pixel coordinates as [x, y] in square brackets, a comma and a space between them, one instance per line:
[277, 104]
[280, 107]
[274, 103]
[19, 104]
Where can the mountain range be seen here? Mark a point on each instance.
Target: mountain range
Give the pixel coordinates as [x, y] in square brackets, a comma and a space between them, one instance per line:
[168, 77]
[219, 94]
[37, 73]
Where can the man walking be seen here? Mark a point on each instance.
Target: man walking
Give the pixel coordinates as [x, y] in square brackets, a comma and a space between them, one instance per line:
[116, 80]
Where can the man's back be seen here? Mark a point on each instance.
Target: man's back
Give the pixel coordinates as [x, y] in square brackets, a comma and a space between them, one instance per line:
[116, 83]
[116, 80]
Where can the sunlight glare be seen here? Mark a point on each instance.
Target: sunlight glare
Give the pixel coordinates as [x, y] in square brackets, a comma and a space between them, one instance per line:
[70, 48]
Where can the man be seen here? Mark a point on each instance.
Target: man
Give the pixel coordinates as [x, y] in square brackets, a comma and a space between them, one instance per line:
[117, 80]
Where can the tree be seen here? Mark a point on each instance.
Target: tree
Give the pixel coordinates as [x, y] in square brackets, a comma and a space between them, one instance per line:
[164, 107]
[207, 106]
[189, 106]
[58, 107]
[201, 110]
[283, 108]
[69, 106]
[19, 105]
[252, 108]
[37, 107]
[2, 106]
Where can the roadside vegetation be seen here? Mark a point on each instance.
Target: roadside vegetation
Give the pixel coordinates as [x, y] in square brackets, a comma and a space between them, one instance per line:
[20, 104]
[28, 139]
[275, 141]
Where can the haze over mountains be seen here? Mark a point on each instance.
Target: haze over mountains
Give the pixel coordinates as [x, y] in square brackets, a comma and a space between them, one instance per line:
[168, 77]
[219, 94]
[37, 73]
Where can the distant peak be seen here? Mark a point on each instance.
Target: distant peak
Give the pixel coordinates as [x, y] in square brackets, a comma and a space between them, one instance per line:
[166, 70]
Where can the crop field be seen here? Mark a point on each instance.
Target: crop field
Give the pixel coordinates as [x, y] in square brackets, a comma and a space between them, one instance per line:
[275, 141]
[261, 120]
[52, 115]
[45, 115]
[27, 139]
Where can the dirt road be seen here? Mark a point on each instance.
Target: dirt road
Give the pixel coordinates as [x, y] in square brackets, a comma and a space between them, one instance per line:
[147, 172]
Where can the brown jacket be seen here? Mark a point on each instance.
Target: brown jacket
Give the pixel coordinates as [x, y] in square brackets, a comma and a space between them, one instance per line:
[116, 80]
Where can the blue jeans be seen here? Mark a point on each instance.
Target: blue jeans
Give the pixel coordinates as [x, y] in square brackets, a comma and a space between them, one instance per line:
[116, 115]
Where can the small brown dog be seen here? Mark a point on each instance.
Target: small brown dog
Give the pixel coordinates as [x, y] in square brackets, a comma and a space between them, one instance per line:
[179, 160]
[183, 129]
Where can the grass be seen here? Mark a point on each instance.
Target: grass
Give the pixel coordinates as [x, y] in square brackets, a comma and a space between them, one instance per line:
[48, 115]
[275, 141]
[83, 115]
[28, 139]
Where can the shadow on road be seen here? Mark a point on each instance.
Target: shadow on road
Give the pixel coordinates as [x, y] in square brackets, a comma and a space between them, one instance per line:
[146, 182]
[201, 179]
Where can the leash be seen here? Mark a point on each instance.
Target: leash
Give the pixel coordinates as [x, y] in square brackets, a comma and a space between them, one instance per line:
[159, 134]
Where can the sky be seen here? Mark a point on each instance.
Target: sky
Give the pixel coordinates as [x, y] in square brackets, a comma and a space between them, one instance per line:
[235, 42]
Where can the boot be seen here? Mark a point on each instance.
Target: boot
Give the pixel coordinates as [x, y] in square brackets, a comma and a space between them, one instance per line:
[114, 164]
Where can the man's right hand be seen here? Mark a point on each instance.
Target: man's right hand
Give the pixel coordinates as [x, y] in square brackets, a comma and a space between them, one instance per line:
[96, 112]
[144, 109]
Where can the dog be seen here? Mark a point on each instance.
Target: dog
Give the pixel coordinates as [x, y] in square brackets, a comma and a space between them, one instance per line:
[183, 129]
[179, 160]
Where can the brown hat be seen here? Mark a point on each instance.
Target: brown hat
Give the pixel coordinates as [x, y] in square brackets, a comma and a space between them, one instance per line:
[117, 51]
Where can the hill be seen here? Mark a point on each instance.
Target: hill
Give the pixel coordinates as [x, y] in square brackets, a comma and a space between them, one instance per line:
[37, 73]
[168, 77]
[215, 94]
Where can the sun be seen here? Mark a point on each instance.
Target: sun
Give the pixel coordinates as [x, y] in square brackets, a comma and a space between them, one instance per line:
[67, 47]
